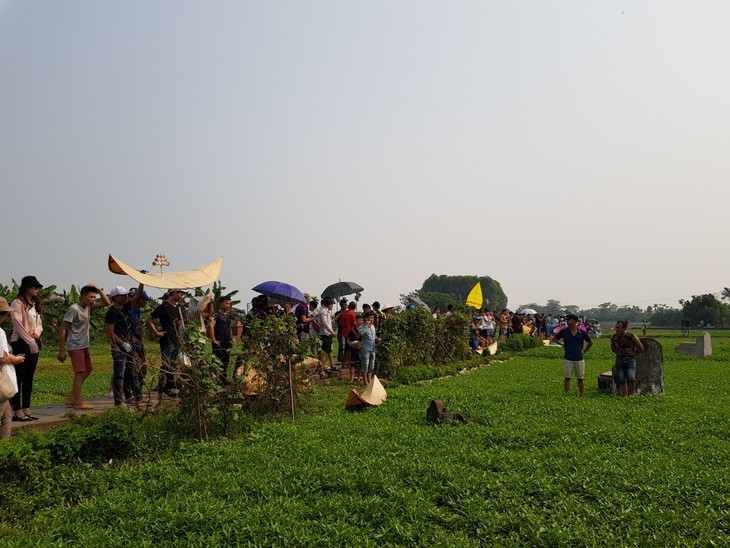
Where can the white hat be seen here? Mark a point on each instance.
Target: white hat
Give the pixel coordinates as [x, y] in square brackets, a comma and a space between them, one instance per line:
[386, 306]
[118, 290]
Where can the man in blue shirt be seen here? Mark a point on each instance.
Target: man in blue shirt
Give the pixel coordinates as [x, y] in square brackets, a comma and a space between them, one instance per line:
[571, 338]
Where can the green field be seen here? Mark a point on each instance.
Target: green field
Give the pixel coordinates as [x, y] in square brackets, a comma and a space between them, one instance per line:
[539, 469]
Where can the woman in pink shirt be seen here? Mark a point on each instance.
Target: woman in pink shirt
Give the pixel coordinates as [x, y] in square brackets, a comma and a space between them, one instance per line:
[25, 313]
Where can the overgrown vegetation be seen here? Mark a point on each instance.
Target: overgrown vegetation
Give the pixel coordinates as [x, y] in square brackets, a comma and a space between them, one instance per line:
[416, 338]
[519, 342]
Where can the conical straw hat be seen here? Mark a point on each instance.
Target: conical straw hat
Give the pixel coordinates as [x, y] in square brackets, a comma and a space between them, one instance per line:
[374, 392]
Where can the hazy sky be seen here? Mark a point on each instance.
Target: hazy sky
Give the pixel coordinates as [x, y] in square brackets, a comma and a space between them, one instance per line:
[562, 148]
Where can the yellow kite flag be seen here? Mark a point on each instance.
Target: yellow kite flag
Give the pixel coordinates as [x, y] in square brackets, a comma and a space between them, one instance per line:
[475, 298]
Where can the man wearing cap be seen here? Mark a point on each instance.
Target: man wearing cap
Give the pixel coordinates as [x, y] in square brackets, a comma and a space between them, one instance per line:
[170, 317]
[74, 338]
[119, 330]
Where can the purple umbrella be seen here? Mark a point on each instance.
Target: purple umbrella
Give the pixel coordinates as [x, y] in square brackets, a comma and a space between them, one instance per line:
[280, 292]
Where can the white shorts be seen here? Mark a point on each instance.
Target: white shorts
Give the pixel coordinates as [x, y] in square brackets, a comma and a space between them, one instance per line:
[570, 367]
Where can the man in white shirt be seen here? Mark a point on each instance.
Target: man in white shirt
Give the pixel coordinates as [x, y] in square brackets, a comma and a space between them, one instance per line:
[326, 331]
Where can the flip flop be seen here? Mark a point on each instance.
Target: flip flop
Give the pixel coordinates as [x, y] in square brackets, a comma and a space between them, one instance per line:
[32, 417]
[83, 406]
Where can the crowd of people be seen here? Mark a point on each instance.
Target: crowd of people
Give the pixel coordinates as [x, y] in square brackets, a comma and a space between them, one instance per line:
[357, 334]
[487, 326]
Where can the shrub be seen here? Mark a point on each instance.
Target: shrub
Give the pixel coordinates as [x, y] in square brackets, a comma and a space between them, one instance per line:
[272, 349]
[515, 343]
[115, 435]
[415, 338]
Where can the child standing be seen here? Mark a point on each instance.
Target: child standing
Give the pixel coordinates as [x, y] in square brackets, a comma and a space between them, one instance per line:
[367, 350]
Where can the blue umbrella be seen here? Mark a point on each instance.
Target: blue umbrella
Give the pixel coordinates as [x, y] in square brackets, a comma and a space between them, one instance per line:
[280, 292]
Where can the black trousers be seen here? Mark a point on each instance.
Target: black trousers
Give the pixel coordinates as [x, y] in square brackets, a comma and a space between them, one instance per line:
[24, 372]
[224, 355]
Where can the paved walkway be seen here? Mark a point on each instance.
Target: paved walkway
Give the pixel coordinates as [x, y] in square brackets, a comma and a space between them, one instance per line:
[58, 413]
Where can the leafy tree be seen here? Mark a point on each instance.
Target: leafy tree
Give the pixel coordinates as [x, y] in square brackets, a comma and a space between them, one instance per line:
[664, 316]
[706, 308]
[459, 287]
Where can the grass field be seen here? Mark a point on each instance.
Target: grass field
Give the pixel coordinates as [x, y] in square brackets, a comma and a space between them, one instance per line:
[541, 469]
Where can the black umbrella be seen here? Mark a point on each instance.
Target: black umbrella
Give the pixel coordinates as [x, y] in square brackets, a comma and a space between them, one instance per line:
[340, 289]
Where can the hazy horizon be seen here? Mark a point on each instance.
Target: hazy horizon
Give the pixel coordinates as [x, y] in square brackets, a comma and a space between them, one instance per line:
[566, 150]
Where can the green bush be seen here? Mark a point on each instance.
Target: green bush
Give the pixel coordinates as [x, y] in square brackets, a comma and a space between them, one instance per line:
[515, 343]
[114, 435]
[26, 454]
[415, 338]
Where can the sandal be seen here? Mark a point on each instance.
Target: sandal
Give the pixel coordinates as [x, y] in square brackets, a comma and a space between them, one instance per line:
[32, 417]
[16, 418]
[83, 406]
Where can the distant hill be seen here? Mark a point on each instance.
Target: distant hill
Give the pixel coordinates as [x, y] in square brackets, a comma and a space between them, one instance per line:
[439, 290]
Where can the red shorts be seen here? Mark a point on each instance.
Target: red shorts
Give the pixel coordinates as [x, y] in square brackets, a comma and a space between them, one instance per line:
[80, 360]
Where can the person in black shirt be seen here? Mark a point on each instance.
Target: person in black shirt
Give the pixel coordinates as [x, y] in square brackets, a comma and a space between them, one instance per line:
[170, 317]
[119, 329]
[219, 332]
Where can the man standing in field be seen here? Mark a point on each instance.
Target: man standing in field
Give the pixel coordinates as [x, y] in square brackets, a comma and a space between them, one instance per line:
[326, 331]
[138, 299]
[125, 385]
[503, 325]
[170, 317]
[626, 346]
[74, 338]
[571, 339]
[221, 335]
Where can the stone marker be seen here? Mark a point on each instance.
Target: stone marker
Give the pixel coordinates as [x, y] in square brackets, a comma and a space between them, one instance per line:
[650, 368]
[701, 347]
[649, 371]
